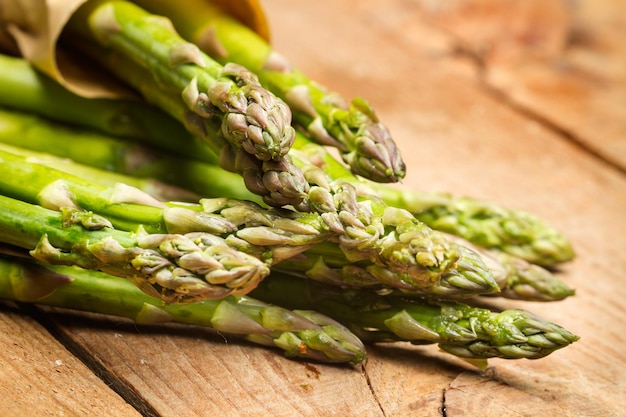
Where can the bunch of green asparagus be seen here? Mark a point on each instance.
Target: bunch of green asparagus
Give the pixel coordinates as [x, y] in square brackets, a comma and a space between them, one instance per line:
[213, 200]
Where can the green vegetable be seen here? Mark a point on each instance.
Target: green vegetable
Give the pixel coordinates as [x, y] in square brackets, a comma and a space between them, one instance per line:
[24, 88]
[398, 260]
[175, 267]
[300, 334]
[272, 235]
[219, 98]
[365, 143]
[516, 232]
[459, 329]
[483, 223]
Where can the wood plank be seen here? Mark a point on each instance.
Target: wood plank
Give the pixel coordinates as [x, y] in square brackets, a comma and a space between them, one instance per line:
[458, 137]
[39, 377]
[562, 61]
[182, 371]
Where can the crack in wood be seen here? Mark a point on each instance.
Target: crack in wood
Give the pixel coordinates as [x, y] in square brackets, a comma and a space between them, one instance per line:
[370, 385]
[442, 407]
[458, 49]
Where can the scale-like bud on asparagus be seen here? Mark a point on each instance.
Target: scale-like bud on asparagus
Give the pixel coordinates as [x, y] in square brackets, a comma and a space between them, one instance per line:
[175, 267]
[484, 223]
[249, 117]
[398, 250]
[519, 279]
[460, 329]
[365, 143]
[300, 334]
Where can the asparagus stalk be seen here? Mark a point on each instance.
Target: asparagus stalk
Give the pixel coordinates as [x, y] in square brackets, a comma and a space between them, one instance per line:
[24, 88]
[273, 235]
[226, 99]
[516, 232]
[515, 277]
[135, 160]
[365, 143]
[300, 334]
[155, 188]
[174, 267]
[483, 223]
[269, 234]
[459, 329]
[519, 279]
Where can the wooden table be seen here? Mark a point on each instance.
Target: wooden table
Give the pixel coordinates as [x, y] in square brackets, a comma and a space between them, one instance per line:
[521, 104]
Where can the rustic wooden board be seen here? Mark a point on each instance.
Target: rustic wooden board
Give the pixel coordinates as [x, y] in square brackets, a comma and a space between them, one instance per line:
[457, 136]
[40, 377]
[562, 61]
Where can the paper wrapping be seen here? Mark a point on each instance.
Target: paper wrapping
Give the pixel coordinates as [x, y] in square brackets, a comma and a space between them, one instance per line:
[31, 29]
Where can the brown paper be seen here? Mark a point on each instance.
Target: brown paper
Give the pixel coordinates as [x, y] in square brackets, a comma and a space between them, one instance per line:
[31, 28]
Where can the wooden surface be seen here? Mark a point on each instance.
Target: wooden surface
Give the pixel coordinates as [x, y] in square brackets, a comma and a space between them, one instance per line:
[523, 105]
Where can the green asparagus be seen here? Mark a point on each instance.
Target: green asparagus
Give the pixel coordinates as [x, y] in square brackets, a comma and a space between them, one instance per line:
[300, 334]
[486, 224]
[519, 279]
[365, 143]
[174, 267]
[24, 88]
[515, 277]
[520, 233]
[135, 159]
[384, 263]
[272, 235]
[220, 98]
[460, 329]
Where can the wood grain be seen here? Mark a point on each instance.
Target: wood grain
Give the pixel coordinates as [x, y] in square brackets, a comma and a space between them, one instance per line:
[40, 377]
[468, 123]
[562, 61]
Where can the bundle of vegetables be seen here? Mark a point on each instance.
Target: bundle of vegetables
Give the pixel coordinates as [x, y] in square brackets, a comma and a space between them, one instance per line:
[204, 193]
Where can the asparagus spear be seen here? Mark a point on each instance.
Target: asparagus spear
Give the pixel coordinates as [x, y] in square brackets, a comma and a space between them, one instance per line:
[24, 88]
[483, 223]
[515, 277]
[364, 142]
[269, 234]
[516, 232]
[228, 98]
[300, 334]
[174, 267]
[459, 329]
[519, 279]
[155, 188]
[135, 160]
[276, 179]
[519, 233]
[273, 235]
